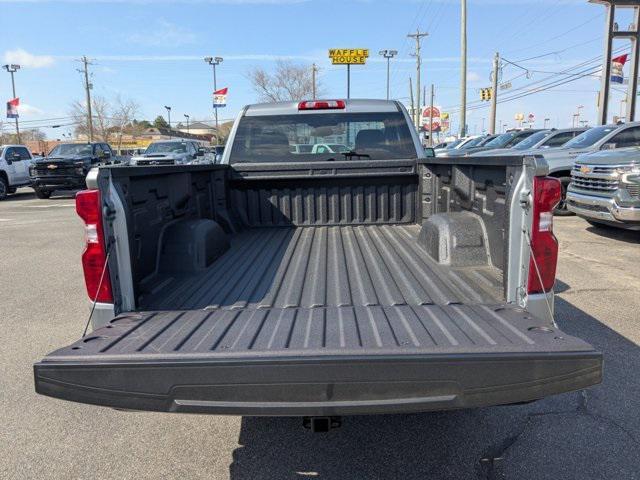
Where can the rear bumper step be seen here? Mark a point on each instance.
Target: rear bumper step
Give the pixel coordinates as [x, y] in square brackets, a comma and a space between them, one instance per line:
[320, 361]
[320, 386]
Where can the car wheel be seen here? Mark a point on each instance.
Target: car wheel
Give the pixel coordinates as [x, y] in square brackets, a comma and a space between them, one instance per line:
[4, 188]
[43, 194]
[561, 210]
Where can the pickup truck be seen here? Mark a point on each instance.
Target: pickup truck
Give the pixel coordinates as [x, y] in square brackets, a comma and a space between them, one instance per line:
[605, 188]
[170, 152]
[15, 161]
[67, 165]
[376, 280]
[605, 137]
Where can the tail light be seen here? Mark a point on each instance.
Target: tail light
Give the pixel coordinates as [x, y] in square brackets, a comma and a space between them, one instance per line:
[94, 257]
[321, 105]
[547, 193]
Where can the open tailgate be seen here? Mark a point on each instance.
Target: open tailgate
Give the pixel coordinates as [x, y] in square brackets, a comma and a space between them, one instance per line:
[319, 361]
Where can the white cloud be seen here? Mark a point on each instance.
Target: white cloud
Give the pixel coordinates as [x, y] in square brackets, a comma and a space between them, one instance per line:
[473, 77]
[26, 59]
[162, 34]
[26, 109]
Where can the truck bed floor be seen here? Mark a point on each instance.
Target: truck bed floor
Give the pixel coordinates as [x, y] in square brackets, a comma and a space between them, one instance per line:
[311, 267]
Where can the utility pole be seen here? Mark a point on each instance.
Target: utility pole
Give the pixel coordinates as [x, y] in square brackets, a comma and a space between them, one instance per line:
[413, 110]
[578, 108]
[463, 68]
[87, 88]
[611, 33]
[431, 117]
[388, 54]
[213, 61]
[13, 68]
[314, 70]
[494, 94]
[417, 37]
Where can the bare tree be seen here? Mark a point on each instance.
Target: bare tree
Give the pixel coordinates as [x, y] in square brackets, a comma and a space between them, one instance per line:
[289, 81]
[124, 113]
[103, 123]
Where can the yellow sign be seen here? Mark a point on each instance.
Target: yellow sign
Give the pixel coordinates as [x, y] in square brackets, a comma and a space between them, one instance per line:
[348, 56]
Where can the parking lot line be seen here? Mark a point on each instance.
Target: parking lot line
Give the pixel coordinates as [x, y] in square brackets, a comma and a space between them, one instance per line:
[54, 205]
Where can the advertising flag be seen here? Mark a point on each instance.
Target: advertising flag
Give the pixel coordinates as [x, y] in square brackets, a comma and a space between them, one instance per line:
[12, 108]
[617, 64]
[220, 98]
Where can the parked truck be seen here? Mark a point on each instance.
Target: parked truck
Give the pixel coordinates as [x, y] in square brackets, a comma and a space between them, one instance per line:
[15, 161]
[604, 137]
[605, 188]
[374, 280]
[67, 165]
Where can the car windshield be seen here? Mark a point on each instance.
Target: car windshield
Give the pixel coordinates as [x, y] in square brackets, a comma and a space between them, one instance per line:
[472, 143]
[590, 137]
[453, 144]
[332, 136]
[486, 140]
[71, 149]
[528, 143]
[167, 147]
[501, 140]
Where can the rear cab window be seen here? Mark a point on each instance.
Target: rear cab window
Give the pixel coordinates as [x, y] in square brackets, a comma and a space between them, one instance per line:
[318, 137]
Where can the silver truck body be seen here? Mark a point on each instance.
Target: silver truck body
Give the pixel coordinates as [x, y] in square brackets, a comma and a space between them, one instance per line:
[324, 286]
[15, 161]
[185, 152]
[605, 188]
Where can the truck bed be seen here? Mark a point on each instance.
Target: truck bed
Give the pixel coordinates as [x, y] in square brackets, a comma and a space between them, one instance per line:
[324, 267]
[338, 288]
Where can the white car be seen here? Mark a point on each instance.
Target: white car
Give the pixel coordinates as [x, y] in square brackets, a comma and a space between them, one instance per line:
[15, 161]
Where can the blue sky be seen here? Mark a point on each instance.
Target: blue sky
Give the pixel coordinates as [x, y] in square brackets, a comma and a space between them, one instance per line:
[152, 52]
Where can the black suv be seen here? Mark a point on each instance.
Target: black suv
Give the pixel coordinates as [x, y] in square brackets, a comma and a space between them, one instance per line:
[67, 165]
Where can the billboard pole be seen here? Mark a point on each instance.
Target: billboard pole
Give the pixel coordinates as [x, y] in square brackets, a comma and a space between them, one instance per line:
[348, 80]
[431, 118]
[13, 69]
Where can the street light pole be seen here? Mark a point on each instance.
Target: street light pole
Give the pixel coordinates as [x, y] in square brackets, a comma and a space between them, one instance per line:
[213, 61]
[463, 75]
[13, 68]
[314, 70]
[187, 117]
[388, 54]
[169, 116]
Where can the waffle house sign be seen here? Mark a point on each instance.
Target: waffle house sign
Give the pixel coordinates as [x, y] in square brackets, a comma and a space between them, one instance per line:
[348, 56]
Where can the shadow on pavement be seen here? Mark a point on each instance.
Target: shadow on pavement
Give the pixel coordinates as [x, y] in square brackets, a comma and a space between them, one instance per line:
[24, 194]
[591, 434]
[614, 233]
[20, 195]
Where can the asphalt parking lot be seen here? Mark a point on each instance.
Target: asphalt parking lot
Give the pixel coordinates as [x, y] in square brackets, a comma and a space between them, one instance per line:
[592, 434]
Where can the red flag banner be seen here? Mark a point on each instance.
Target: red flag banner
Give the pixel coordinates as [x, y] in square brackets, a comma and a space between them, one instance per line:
[12, 108]
[617, 65]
